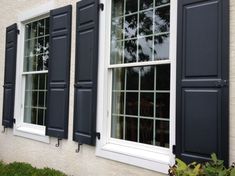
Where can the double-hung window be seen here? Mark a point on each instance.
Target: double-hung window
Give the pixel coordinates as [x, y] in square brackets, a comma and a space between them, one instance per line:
[36, 55]
[140, 83]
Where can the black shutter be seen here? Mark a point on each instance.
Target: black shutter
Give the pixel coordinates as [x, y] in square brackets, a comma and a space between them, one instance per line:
[86, 71]
[10, 74]
[58, 72]
[202, 80]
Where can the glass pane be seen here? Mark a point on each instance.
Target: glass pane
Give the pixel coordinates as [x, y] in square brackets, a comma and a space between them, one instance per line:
[116, 52]
[40, 117]
[146, 104]
[131, 129]
[117, 103]
[27, 31]
[41, 99]
[146, 131]
[30, 63]
[132, 81]
[42, 81]
[163, 77]
[162, 105]
[30, 46]
[145, 4]
[117, 7]
[118, 79]
[162, 133]
[30, 115]
[131, 26]
[31, 82]
[161, 47]
[40, 63]
[146, 23]
[161, 2]
[131, 103]
[117, 28]
[117, 127]
[41, 28]
[131, 6]
[130, 51]
[34, 30]
[147, 78]
[162, 19]
[145, 49]
[47, 26]
[30, 98]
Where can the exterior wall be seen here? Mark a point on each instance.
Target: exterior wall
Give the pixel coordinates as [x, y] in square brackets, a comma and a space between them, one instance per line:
[13, 148]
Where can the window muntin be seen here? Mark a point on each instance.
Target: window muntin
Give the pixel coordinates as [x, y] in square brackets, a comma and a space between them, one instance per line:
[140, 94]
[35, 69]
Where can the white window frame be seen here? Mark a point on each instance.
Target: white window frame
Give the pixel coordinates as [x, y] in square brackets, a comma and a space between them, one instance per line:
[31, 131]
[142, 155]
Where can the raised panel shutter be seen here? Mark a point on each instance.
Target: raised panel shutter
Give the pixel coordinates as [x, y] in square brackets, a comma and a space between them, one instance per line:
[58, 72]
[202, 80]
[86, 71]
[10, 75]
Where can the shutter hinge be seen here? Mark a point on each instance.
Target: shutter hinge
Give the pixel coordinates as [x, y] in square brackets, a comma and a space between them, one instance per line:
[174, 149]
[14, 120]
[18, 31]
[101, 6]
[97, 135]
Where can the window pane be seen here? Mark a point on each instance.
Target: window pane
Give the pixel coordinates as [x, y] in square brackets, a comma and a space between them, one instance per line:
[145, 4]
[132, 103]
[146, 104]
[147, 78]
[162, 105]
[131, 26]
[130, 51]
[117, 103]
[118, 79]
[131, 129]
[132, 81]
[117, 28]
[145, 49]
[30, 115]
[162, 19]
[146, 22]
[131, 6]
[117, 127]
[41, 27]
[161, 47]
[116, 52]
[117, 8]
[163, 77]
[146, 131]
[162, 133]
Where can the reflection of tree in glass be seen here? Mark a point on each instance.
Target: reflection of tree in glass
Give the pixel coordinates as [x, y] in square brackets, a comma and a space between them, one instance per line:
[131, 26]
[146, 23]
[130, 51]
[162, 19]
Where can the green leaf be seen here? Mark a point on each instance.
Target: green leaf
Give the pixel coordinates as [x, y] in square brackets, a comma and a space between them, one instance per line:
[181, 165]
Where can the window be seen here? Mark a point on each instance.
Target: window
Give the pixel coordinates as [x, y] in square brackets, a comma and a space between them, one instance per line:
[36, 55]
[140, 83]
[140, 94]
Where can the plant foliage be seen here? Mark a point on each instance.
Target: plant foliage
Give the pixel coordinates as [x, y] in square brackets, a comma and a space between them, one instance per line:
[24, 169]
[214, 167]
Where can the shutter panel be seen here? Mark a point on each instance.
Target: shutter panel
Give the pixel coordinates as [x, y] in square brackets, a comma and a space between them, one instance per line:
[86, 71]
[10, 74]
[58, 72]
[202, 80]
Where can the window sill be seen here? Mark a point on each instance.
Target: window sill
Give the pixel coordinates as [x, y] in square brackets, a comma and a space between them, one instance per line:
[31, 133]
[146, 159]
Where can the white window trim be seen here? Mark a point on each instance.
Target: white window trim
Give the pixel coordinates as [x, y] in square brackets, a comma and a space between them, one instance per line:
[141, 155]
[31, 131]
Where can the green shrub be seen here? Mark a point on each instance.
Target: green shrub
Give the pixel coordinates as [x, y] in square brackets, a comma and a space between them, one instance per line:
[215, 167]
[24, 169]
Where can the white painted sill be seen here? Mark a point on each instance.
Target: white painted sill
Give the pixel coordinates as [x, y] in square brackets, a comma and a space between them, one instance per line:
[158, 162]
[31, 133]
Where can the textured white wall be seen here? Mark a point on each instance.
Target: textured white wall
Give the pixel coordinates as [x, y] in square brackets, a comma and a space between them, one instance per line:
[85, 163]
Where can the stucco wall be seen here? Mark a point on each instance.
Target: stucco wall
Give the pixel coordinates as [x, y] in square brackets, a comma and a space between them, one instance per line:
[85, 163]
